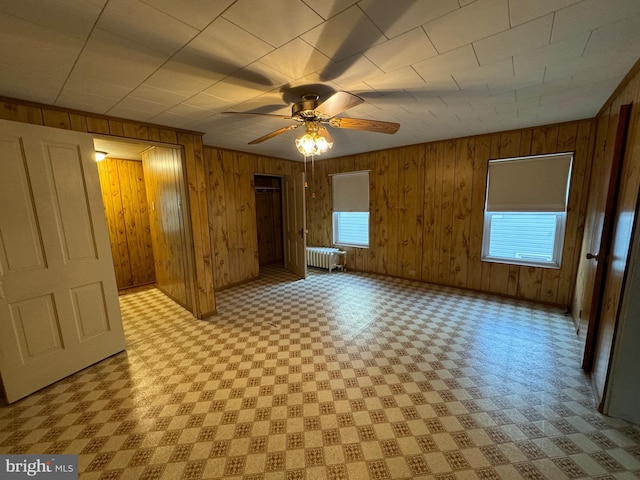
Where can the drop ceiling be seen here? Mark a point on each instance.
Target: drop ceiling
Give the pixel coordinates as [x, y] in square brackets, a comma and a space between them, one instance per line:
[439, 68]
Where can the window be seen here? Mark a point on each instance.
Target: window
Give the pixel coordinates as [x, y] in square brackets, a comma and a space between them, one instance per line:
[351, 209]
[525, 211]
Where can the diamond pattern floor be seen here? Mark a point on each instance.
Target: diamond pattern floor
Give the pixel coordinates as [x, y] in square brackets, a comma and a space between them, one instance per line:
[341, 376]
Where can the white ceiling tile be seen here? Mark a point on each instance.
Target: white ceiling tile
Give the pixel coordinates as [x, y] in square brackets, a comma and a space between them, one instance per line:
[400, 16]
[86, 101]
[234, 90]
[296, 59]
[460, 101]
[208, 102]
[185, 74]
[613, 71]
[350, 72]
[226, 48]
[580, 99]
[479, 77]
[71, 17]
[514, 106]
[468, 24]
[526, 37]
[171, 120]
[390, 100]
[507, 83]
[88, 91]
[534, 92]
[590, 14]
[493, 101]
[115, 60]
[557, 52]
[182, 115]
[447, 64]
[396, 80]
[259, 19]
[578, 65]
[329, 8]
[136, 109]
[197, 13]
[434, 89]
[625, 33]
[523, 11]
[344, 35]
[52, 55]
[402, 51]
[159, 31]
[152, 94]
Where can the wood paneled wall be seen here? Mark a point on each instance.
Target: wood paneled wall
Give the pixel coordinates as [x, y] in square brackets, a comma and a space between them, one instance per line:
[232, 210]
[168, 217]
[426, 211]
[125, 204]
[38, 114]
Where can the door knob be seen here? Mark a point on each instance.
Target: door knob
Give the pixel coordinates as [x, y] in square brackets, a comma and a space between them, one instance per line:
[595, 257]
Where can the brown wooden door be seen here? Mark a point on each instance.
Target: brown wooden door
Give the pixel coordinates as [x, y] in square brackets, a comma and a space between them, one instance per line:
[295, 237]
[605, 178]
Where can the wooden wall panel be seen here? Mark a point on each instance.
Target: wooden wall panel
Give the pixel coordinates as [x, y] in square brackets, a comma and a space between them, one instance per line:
[166, 196]
[233, 224]
[427, 211]
[202, 274]
[125, 205]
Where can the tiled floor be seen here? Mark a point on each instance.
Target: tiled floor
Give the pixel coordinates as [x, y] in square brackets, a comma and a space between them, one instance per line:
[340, 376]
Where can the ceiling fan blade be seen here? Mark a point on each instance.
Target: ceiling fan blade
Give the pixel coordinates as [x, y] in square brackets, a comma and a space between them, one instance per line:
[273, 115]
[273, 134]
[338, 103]
[363, 124]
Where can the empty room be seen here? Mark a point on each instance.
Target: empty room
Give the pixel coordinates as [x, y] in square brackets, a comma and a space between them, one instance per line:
[294, 239]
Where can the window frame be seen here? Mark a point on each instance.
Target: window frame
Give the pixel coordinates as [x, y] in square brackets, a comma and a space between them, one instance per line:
[539, 194]
[558, 244]
[336, 232]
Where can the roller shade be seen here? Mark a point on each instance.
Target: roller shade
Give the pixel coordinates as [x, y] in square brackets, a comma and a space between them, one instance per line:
[529, 184]
[351, 192]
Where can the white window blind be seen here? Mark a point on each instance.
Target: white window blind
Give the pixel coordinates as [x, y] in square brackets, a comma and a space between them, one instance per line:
[351, 192]
[351, 209]
[529, 184]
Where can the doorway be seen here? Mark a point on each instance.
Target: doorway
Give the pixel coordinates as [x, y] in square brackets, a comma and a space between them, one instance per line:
[268, 192]
[144, 196]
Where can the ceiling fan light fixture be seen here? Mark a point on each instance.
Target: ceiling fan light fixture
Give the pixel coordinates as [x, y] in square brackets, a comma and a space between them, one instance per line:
[312, 143]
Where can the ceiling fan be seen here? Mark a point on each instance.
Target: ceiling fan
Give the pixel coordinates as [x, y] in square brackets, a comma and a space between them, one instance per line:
[314, 114]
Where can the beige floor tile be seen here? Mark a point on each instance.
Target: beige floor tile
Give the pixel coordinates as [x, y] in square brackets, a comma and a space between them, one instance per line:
[343, 376]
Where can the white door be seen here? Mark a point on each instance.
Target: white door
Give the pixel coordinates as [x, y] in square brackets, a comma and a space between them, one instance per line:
[59, 310]
[295, 236]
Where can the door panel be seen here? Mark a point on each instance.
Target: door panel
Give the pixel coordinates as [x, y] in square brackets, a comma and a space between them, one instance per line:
[36, 339]
[21, 245]
[70, 202]
[59, 310]
[295, 236]
[605, 179]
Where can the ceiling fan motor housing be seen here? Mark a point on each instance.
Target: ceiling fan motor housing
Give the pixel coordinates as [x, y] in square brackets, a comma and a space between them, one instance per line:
[305, 110]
